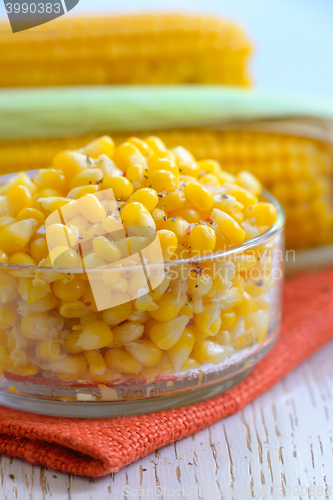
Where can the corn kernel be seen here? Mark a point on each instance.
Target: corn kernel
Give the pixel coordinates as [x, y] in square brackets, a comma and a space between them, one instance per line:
[199, 196]
[229, 227]
[148, 197]
[166, 334]
[122, 188]
[249, 182]
[169, 306]
[263, 214]
[41, 326]
[88, 176]
[15, 237]
[207, 351]
[128, 332]
[106, 249]
[179, 353]
[95, 335]
[126, 155]
[96, 362]
[70, 365]
[145, 352]
[102, 145]
[168, 242]
[122, 361]
[209, 321]
[49, 350]
[201, 240]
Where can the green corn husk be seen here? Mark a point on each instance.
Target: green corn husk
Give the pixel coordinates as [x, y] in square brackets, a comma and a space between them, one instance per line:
[69, 111]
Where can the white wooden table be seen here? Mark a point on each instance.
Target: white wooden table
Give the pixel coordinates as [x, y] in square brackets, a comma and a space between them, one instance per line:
[279, 446]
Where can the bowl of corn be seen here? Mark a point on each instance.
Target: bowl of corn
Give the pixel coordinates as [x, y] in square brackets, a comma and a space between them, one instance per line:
[134, 278]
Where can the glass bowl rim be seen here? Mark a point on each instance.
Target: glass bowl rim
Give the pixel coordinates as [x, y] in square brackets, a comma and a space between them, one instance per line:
[276, 228]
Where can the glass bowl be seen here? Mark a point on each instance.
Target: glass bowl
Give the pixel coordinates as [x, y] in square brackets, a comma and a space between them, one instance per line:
[229, 303]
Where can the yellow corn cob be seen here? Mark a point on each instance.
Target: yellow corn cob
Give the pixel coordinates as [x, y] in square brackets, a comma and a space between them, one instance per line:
[127, 49]
[297, 170]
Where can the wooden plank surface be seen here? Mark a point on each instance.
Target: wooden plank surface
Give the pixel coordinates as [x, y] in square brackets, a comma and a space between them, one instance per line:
[281, 446]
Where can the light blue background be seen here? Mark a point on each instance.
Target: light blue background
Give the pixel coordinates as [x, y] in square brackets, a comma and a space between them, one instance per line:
[293, 38]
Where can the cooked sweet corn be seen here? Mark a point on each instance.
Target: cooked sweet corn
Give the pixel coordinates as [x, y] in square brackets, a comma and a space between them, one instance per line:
[52, 321]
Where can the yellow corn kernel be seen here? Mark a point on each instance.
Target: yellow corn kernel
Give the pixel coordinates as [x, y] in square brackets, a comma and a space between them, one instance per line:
[92, 209]
[242, 195]
[15, 237]
[262, 214]
[148, 198]
[201, 240]
[31, 213]
[207, 351]
[96, 362]
[159, 216]
[166, 334]
[230, 298]
[43, 194]
[172, 201]
[128, 332]
[145, 352]
[71, 342]
[59, 235]
[157, 293]
[248, 181]
[88, 176]
[259, 322]
[5, 360]
[63, 257]
[255, 289]
[228, 227]
[6, 220]
[210, 167]
[169, 306]
[122, 361]
[156, 163]
[126, 155]
[199, 196]
[179, 353]
[162, 180]
[79, 222]
[155, 143]
[190, 364]
[247, 306]
[199, 284]
[8, 314]
[136, 175]
[3, 256]
[38, 249]
[18, 197]
[178, 226]
[115, 280]
[28, 370]
[145, 303]
[209, 321]
[95, 335]
[8, 288]
[80, 192]
[70, 365]
[185, 161]
[168, 242]
[92, 261]
[30, 292]
[190, 215]
[187, 309]
[106, 249]
[69, 291]
[73, 309]
[70, 163]
[49, 350]
[102, 146]
[51, 178]
[135, 215]
[209, 180]
[22, 259]
[228, 320]
[141, 145]
[122, 188]
[42, 305]
[41, 326]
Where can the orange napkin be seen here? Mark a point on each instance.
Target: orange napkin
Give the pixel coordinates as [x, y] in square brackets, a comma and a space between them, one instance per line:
[96, 447]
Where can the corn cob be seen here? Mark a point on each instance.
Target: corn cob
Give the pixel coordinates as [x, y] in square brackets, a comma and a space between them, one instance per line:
[128, 49]
[297, 170]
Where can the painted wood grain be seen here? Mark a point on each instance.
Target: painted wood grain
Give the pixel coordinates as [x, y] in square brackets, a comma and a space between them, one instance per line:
[280, 446]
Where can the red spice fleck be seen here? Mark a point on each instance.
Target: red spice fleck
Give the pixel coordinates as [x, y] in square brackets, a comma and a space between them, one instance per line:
[87, 304]
[188, 230]
[208, 220]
